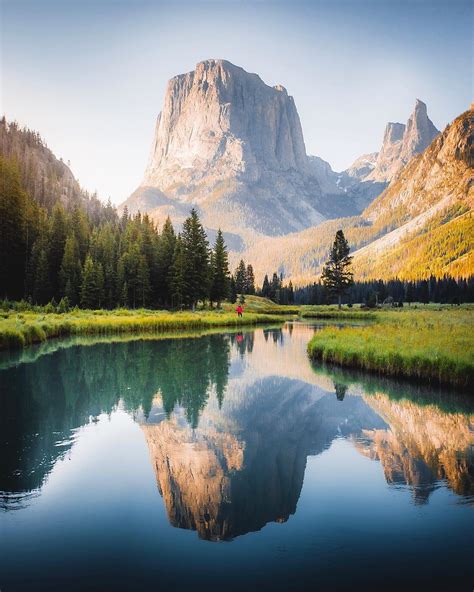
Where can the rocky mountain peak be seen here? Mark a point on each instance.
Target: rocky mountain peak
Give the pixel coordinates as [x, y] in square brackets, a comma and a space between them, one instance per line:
[402, 142]
[420, 132]
[220, 121]
[233, 147]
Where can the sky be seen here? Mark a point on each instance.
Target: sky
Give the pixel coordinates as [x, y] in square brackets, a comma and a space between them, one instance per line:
[90, 76]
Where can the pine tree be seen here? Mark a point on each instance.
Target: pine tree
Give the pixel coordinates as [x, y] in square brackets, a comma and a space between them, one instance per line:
[125, 218]
[266, 287]
[143, 281]
[219, 271]
[291, 293]
[232, 291]
[41, 286]
[250, 280]
[124, 295]
[241, 278]
[275, 287]
[99, 281]
[81, 228]
[196, 260]
[92, 289]
[57, 242]
[336, 275]
[166, 248]
[70, 272]
[178, 276]
[12, 231]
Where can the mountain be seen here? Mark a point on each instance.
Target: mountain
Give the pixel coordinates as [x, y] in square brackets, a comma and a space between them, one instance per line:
[371, 173]
[47, 179]
[402, 142]
[421, 224]
[232, 146]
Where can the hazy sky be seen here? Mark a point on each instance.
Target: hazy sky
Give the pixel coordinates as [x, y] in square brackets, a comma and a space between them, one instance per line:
[90, 75]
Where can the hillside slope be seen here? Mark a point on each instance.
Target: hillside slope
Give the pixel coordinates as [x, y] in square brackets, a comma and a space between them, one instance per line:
[47, 179]
[427, 206]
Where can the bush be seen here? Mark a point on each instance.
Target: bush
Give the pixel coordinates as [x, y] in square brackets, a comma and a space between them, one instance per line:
[63, 305]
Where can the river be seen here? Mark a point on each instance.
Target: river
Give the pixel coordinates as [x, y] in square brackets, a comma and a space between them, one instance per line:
[228, 461]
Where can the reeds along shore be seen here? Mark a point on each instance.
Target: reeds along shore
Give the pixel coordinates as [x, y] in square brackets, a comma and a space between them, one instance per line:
[435, 346]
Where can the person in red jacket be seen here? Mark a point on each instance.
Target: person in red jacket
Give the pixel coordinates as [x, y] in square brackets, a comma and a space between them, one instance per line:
[239, 310]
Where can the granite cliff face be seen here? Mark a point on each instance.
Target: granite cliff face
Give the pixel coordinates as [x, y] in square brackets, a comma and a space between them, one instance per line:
[220, 121]
[233, 146]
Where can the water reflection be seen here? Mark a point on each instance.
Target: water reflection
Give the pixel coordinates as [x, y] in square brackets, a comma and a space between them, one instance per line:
[429, 440]
[244, 467]
[44, 402]
[230, 421]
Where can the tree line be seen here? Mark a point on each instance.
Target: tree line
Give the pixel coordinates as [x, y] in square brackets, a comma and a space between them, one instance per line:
[445, 290]
[106, 261]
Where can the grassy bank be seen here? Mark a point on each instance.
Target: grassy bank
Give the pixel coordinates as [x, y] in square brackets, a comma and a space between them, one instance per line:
[21, 329]
[333, 312]
[435, 345]
[263, 306]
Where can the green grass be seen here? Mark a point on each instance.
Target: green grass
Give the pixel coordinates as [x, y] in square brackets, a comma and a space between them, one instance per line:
[333, 312]
[21, 329]
[435, 345]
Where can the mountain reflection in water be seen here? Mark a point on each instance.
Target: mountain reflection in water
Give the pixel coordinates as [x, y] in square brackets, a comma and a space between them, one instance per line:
[229, 421]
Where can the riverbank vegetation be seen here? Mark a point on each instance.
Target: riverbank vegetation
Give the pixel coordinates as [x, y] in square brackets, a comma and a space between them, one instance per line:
[434, 345]
[20, 329]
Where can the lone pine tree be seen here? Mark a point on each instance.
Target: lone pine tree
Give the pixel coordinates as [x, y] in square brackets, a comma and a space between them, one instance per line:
[337, 276]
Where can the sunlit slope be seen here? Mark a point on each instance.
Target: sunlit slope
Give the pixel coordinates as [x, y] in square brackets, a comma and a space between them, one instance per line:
[424, 213]
[433, 250]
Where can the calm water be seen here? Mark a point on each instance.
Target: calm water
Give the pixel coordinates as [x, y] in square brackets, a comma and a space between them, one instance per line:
[228, 462]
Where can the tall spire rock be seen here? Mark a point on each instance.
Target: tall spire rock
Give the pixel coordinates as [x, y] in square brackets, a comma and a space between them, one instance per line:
[402, 142]
[419, 133]
[233, 147]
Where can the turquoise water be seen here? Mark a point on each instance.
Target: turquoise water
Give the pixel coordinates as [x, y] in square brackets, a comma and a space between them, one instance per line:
[228, 462]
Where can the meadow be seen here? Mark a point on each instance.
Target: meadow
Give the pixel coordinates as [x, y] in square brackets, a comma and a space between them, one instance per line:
[434, 344]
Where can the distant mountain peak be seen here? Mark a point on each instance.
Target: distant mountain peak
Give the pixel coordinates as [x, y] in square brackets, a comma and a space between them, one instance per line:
[402, 142]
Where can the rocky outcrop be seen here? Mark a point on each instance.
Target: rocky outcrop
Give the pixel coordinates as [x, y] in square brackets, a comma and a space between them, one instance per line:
[47, 179]
[402, 142]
